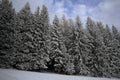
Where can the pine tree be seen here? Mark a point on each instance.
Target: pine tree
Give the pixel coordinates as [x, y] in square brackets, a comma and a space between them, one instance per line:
[67, 31]
[24, 46]
[69, 38]
[100, 38]
[101, 51]
[58, 49]
[7, 27]
[108, 36]
[36, 59]
[114, 48]
[114, 58]
[69, 67]
[45, 36]
[64, 24]
[39, 57]
[92, 36]
[107, 39]
[116, 33]
[80, 49]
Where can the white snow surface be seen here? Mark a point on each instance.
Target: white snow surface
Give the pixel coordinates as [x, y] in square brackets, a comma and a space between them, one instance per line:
[7, 74]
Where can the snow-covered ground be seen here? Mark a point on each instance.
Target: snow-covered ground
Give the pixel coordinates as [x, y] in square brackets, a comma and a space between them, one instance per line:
[6, 74]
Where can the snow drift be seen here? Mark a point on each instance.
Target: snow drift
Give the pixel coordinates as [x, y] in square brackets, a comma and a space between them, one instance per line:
[7, 74]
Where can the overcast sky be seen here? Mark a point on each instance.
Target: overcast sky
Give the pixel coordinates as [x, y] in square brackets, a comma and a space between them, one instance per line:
[106, 11]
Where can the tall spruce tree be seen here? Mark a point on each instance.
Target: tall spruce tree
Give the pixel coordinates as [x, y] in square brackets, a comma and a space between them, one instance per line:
[58, 49]
[107, 39]
[92, 36]
[24, 39]
[116, 33]
[114, 49]
[45, 35]
[69, 67]
[7, 27]
[80, 49]
[101, 51]
[39, 57]
[65, 30]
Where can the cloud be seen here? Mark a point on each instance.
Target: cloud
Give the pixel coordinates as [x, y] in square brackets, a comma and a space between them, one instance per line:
[80, 10]
[67, 8]
[106, 11]
[18, 4]
[56, 9]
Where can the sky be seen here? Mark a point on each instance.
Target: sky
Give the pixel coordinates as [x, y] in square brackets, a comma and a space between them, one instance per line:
[106, 11]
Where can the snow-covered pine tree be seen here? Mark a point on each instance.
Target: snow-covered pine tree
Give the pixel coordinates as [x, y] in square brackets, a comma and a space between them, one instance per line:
[66, 30]
[108, 36]
[58, 49]
[92, 36]
[64, 25]
[115, 33]
[70, 38]
[111, 53]
[7, 27]
[69, 59]
[45, 36]
[67, 35]
[100, 39]
[79, 49]
[107, 39]
[39, 57]
[114, 49]
[101, 51]
[24, 46]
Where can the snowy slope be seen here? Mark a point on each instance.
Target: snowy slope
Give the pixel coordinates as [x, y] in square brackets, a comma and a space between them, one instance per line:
[25, 75]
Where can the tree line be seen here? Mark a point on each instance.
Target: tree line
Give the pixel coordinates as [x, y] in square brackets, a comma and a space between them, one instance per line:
[28, 41]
